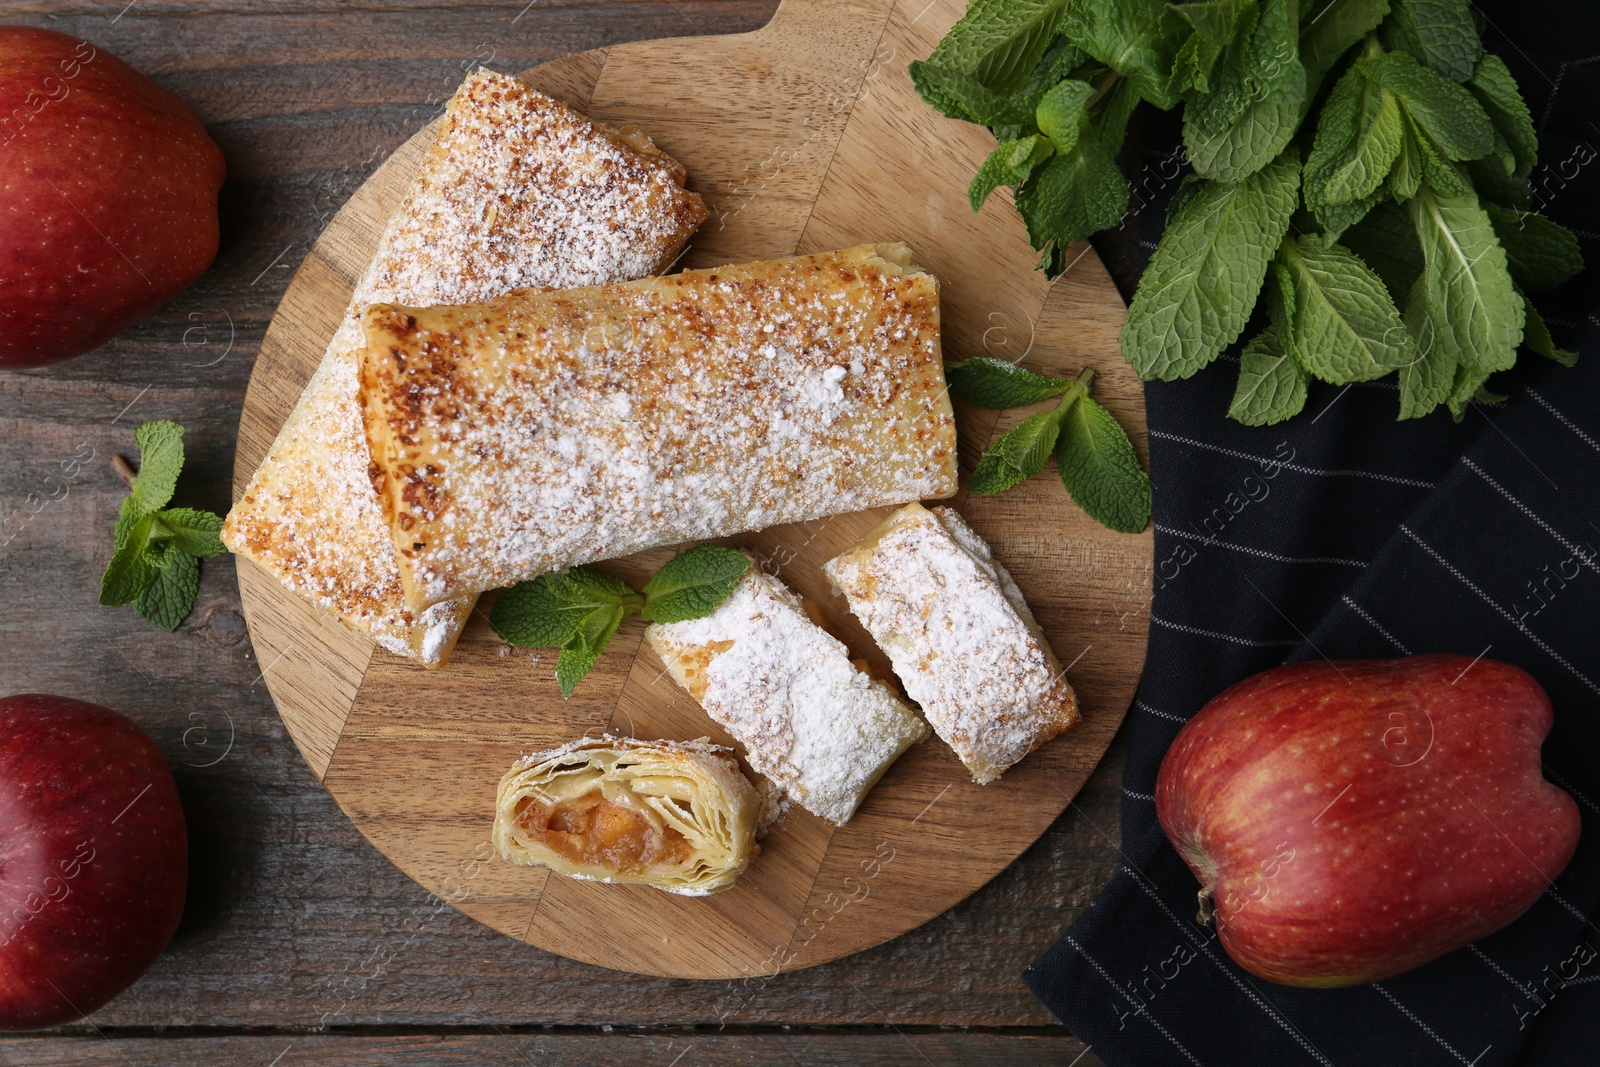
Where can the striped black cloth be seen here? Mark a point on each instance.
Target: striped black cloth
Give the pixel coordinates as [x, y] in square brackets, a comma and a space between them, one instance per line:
[1348, 534]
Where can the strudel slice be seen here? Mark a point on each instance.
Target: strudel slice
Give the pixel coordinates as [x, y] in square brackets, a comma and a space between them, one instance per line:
[550, 429]
[960, 636]
[518, 190]
[821, 729]
[680, 816]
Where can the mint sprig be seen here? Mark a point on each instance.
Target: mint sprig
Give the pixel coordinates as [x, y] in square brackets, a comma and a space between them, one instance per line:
[579, 610]
[1369, 150]
[1094, 457]
[156, 561]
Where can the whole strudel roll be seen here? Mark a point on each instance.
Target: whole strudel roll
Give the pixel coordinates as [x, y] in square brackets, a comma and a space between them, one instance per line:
[550, 429]
[678, 816]
[822, 729]
[517, 190]
[960, 636]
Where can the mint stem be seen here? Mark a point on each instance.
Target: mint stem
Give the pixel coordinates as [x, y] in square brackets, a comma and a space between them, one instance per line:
[1102, 90]
[124, 469]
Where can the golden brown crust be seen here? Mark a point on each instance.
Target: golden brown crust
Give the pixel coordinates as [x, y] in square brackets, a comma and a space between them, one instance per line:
[549, 429]
[517, 190]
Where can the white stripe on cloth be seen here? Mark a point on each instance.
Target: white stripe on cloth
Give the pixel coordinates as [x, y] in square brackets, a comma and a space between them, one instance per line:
[1370, 621]
[1158, 714]
[1526, 510]
[1297, 468]
[1568, 423]
[1140, 1009]
[1263, 553]
[1244, 986]
[1430, 1031]
[1487, 599]
[1248, 642]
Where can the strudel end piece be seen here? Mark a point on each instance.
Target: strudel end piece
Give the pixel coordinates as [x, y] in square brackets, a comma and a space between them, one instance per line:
[518, 190]
[821, 729]
[960, 636]
[679, 816]
[550, 429]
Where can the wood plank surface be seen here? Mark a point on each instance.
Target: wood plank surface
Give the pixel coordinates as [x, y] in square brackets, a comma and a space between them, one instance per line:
[295, 924]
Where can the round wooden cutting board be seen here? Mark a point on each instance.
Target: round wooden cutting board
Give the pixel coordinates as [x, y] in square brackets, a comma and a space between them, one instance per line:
[803, 136]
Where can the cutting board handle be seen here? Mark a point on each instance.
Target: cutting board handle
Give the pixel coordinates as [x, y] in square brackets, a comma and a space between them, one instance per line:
[802, 24]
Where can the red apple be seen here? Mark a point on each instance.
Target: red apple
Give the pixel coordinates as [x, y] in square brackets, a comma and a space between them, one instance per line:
[108, 196]
[94, 858]
[1349, 821]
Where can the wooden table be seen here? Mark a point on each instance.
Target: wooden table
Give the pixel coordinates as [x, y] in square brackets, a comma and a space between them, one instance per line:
[301, 944]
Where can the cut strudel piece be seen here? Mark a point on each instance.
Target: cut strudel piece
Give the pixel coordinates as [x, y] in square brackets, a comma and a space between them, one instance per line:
[821, 729]
[679, 816]
[549, 429]
[960, 636]
[518, 190]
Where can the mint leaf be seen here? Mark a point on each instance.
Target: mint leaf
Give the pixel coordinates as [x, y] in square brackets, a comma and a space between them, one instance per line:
[1540, 254]
[693, 583]
[1203, 280]
[573, 663]
[1100, 469]
[169, 596]
[128, 572]
[1010, 164]
[1191, 67]
[999, 42]
[1405, 176]
[1353, 104]
[1216, 21]
[1438, 173]
[1426, 381]
[1071, 196]
[1377, 142]
[986, 382]
[1386, 242]
[1019, 454]
[1438, 32]
[961, 96]
[1494, 185]
[1465, 288]
[534, 614]
[1110, 117]
[191, 531]
[1242, 149]
[1275, 72]
[1441, 108]
[1497, 91]
[160, 461]
[1468, 385]
[1536, 335]
[1060, 112]
[1139, 39]
[1346, 327]
[1328, 30]
[1272, 386]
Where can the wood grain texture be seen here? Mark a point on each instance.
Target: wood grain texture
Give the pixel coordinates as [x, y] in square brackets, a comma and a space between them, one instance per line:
[517, 1049]
[803, 136]
[294, 922]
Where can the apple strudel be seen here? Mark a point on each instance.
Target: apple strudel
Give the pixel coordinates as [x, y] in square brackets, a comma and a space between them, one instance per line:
[550, 429]
[960, 636]
[820, 728]
[518, 190]
[679, 816]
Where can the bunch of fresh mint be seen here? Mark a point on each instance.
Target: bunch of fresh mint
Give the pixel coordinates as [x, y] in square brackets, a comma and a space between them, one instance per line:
[1094, 457]
[1364, 161]
[156, 562]
[579, 610]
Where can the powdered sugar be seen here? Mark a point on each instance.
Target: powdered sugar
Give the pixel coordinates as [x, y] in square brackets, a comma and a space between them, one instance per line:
[809, 720]
[960, 636]
[518, 190]
[506, 452]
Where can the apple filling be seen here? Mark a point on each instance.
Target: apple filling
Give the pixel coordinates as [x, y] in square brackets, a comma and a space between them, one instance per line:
[607, 828]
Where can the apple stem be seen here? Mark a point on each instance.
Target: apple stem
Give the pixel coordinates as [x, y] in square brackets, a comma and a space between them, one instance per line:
[1208, 908]
[123, 468]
